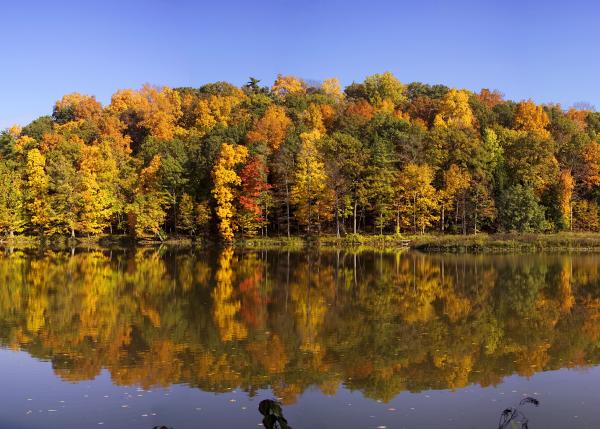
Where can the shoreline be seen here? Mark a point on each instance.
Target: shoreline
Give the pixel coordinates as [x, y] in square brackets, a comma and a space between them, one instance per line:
[429, 243]
[480, 243]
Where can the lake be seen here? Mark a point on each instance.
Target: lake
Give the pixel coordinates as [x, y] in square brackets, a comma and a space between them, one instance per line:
[137, 338]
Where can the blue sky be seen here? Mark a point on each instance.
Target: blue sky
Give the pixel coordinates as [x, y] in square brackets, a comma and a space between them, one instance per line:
[546, 50]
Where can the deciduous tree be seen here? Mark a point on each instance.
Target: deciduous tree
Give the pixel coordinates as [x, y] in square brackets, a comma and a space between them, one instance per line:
[38, 203]
[455, 110]
[310, 194]
[225, 179]
[532, 118]
[417, 198]
[253, 198]
[271, 128]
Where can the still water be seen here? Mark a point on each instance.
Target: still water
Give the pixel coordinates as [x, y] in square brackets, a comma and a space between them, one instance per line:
[146, 337]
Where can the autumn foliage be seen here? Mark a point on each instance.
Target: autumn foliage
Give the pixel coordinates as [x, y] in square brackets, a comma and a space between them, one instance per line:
[378, 156]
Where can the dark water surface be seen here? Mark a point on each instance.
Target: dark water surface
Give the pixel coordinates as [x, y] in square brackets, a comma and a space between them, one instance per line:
[146, 337]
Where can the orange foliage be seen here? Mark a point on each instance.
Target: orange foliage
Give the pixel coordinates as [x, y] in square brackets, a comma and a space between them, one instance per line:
[80, 106]
[490, 98]
[271, 128]
[361, 109]
[532, 118]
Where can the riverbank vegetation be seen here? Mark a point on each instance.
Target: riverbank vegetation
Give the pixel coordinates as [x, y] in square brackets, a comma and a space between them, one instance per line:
[298, 158]
[482, 242]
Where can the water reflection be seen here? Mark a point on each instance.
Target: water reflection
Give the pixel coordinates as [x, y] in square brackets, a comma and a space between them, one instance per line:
[379, 323]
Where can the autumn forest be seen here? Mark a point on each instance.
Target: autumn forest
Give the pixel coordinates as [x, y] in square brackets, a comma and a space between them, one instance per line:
[301, 158]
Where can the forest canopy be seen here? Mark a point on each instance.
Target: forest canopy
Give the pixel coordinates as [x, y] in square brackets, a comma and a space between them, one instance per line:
[301, 157]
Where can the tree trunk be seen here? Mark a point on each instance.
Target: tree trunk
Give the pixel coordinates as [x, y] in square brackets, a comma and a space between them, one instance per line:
[354, 217]
[318, 222]
[457, 204]
[443, 211]
[415, 214]
[266, 220]
[337, 216]
[287, 205]
[475, 219]
[571, 216]
[175, 213]
[464, 220]
[309, 201]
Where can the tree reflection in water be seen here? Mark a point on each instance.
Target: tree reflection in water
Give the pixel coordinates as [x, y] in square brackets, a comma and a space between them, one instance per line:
[380, 323]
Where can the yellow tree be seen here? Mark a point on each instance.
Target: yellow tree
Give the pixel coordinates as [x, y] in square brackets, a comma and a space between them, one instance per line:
[97, 199]
[38, 205]
[271, 128]
[225, 178]
[313, 116]
[453, 194]
[147, 213]
[12, 210]
[216, 110]
[310, 194]
[455, 110]
[154, 109]
[332, 88]
[532, 118]
[566, 185]
[417, 198]
[126, 100]
[164, 109]
[288, 85]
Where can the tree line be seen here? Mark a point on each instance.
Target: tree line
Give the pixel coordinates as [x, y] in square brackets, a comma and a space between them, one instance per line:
[378, 156]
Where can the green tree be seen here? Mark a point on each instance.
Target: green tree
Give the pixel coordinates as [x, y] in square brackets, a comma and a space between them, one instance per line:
[380, 179]
[520, 210]
[345, 159]
[186, 222]
[147, 211]
[381, 87]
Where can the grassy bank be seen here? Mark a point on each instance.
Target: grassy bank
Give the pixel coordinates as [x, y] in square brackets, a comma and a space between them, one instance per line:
[480, 243]
[564, 241]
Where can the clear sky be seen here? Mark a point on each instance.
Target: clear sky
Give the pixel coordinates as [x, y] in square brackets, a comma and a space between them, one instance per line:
[546, 50]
